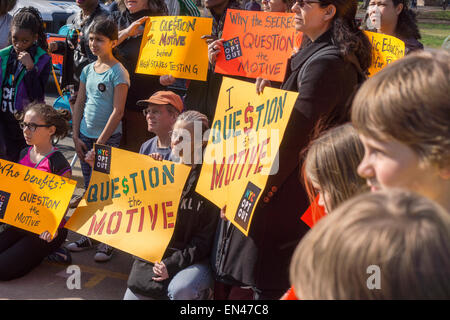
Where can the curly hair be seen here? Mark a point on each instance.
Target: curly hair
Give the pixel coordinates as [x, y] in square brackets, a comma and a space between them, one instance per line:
[29, 18]
[345, 33]
[58, 118]
[407, 22]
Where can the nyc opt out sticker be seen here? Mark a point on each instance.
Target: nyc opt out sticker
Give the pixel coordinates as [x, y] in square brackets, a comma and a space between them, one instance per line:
[246, 205]
[102, 158]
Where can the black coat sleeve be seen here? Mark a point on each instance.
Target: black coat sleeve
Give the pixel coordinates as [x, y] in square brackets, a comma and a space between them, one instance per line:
[199, 247]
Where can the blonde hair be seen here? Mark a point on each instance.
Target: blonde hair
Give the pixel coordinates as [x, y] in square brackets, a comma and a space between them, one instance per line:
[409, 101]
[331, 162]
[407, 236]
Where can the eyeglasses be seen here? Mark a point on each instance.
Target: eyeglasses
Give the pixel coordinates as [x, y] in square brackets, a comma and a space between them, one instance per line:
[302, 3]
[145, 112]
[33, 126]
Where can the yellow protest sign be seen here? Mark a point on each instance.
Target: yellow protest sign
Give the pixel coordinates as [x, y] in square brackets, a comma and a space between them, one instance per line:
[385, 49]
[242, 148]
[173, 45]
[131, 202]
[32, 199]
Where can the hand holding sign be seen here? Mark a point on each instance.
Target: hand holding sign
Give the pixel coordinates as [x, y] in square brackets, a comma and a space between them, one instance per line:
[214, 48]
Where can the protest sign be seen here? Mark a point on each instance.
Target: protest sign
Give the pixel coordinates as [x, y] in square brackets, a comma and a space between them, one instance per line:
[257, 44]
[243, 146]
[57, 59]
[32, 199]
[385, 49]
[173, 45]
[131, 202]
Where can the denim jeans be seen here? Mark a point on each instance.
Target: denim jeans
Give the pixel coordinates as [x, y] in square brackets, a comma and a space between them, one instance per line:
[86, 169]
[192, 283]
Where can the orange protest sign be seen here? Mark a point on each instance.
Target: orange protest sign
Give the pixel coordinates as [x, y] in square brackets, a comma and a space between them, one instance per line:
[257, 44]
[32, 199]
[131, 202]
[56, 58]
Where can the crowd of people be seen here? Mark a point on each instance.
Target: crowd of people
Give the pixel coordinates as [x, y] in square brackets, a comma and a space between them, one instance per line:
[372, 153]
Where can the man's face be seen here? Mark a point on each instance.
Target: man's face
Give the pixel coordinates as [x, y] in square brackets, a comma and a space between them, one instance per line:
[159, 120]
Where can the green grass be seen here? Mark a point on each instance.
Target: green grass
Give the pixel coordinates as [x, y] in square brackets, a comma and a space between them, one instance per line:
[434, 34]
[434, 14]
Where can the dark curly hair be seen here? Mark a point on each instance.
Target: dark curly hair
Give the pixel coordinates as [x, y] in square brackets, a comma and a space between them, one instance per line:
[29, 18]
[407, 22]
[58, 118]
[345, 33]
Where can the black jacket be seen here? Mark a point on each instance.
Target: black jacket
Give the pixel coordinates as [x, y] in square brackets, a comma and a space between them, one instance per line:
[191, 241]
[142, 85]
[262, 259]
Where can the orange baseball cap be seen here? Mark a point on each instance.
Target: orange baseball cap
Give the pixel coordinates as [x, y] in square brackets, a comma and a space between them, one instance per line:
[163, 97]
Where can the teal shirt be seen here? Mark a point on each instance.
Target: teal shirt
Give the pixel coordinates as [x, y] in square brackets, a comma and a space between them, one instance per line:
[100, 97]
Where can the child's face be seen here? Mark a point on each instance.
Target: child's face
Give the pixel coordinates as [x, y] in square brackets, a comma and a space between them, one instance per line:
[101, 45]
[388, 164]
[35, 135]
[324, 197]
[22, 39]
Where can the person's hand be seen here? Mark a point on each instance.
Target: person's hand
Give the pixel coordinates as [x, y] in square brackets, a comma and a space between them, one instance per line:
[80, 148]
[52, 46]
[161, 271]
[26, 60]
[46, 236]
[222, 213]
[156, 156]
[89, 158]
[134, 28]
[208, 38]
[261, 84]
[167, 80]
[213, 50]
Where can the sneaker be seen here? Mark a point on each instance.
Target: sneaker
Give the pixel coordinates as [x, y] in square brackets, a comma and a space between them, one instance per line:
[104, 253]
[80, 245]
[75, 201]
[61, 255]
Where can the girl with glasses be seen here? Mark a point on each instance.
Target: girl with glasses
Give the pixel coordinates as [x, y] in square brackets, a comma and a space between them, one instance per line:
[21, 251]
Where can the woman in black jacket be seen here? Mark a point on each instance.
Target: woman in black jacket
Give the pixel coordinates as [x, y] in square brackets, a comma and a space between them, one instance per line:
[184, 273]
[131, 20]
[326, 72]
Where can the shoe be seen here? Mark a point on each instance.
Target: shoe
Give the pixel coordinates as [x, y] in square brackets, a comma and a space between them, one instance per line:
[104, 253]
[83, 244]
[60, 255]
[75, 201]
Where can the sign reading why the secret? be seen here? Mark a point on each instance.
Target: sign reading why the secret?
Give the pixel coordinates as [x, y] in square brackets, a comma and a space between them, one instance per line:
[173, 45]
[32, 199]
[257, 44]
[242, 147]
[131, 202]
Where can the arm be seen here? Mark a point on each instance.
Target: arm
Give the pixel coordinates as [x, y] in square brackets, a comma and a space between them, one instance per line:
[132, 30]
[78, 110]
[200, 245]
[120, 97]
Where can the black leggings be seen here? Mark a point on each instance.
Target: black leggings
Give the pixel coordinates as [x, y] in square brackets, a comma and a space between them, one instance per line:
[22, 251]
